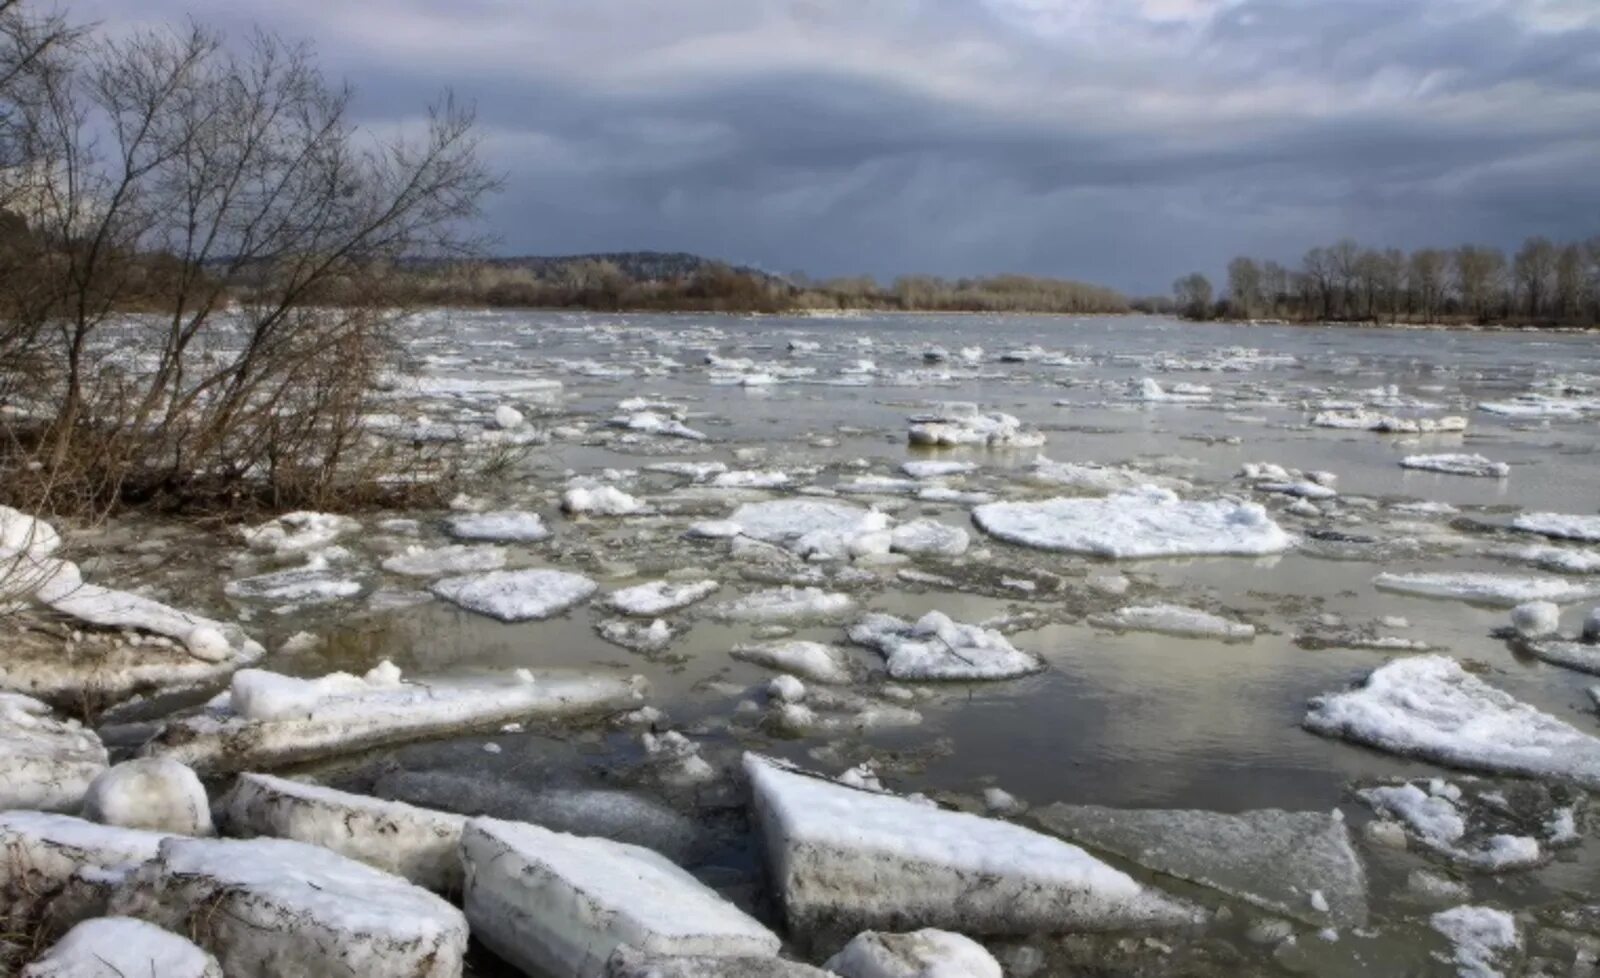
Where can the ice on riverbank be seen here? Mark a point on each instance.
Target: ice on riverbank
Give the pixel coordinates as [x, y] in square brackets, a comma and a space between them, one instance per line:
[936, 648]
[46, 764]
[1494, 590]
[1143, 522]
[1429, 707]
[1458, 464]
[1167, 619]
[42, 855]
[122, 947]
[523, 595]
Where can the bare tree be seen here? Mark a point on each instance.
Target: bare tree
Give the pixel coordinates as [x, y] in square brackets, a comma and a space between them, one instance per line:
[1570, 282]
[1193, 295]
[1425, 274]
[1533, 269]
[1244, 287]
[1318, 267]
[1479, 275]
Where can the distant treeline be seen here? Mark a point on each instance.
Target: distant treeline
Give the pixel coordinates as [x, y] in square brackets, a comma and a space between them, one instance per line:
[1544, 283]
[649, 281]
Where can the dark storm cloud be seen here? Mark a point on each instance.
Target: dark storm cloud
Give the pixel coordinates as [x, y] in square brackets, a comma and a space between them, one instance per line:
[1124, 141]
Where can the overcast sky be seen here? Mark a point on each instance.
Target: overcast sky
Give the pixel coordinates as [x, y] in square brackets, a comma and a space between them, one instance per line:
[1118, 141]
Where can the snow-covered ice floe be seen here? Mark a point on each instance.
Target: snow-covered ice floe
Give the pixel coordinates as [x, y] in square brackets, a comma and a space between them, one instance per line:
[1433, 818]
[314, 582]
[1429, 707]
[1168, 619]
[660, 597]
[1496, 590]
[558, 904]
[122, 947]
[1458, 464]
[815, 661]
[935, 647]
[1144, 522]
[1092, 477]
[600, 500]
[45, 763]
[785, 604]
[416, 844]
[500, 526]
[44, 855]
[928, 953]
[1363, 420]
[961, 423]
[268, 719]
[1564, 560]
[1483, 940]
[450, 559]
[845, 859]
[270, 907]
[1146, 389]
[1581, 656]
[651, 423]
[1300, 864]
[521, 595]
[1560, 525]
[815, 527]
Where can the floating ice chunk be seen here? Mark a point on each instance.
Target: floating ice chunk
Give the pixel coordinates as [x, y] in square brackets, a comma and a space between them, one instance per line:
[45, 763]
[270, 907]
[1304, 489]
[1535, 406]
[636, 637]
[559, 904]
[960, 423]
[1144, 522]
[844, 860]
[1150, 392]
[1560, 525]
[1093, 477]
[877, 485]
[1364, 420]
[698, 471]
[1428, 706]
[1437, 824]
[1270, 858]
[1496, 590]
[928, 537]
[521, 595]
[785, 604]
[1560, 559]
[815, 527]
[926, 953]
[313, 583]
[651, 423]
[714, 530]
[600, 501]
[750, 480]
[660, 597]
[257, 694]
[414, 843]
[786, 689]
[508, 417]
[1458, 464]
[1536, 619]
[935, 647]
[934, 469]
[503, 526]
[41, 853]
[24, 535]
[1582, 656]
[1484, 939]
[629, 963]
[154, 793]
[815, 661]
[451, 559]
[352, 715]
[121, 947]
[1168, 619]
[298, 532]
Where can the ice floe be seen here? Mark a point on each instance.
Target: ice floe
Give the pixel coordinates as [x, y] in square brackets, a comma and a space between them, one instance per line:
[298, 532]
[600, 500]
[935, 468]
[1431, 815]
[928, 537]
[1458, 464]
[1144, 522]
[785, 604]
[45, 763]
[660, 597]
[316, 581]
[1167, 619]
[522, 595]
[450, 559]
[651, 423]
[1363, 420]
[122, 947]
[1484, 940]
[1560, 525]
[502, 526]
[815, 661]
[814, 527]
[961, 423]
[936, 648]
[1496, 590]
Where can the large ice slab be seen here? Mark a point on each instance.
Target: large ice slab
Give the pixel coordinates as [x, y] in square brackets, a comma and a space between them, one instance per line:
[1168, 619]
[417, 844]
[122, 947]
[269, 907]
[1560, 525]
[815, 527]
[845, 859]
[785, 604]
[1143, 522]
[961, 423]
[935, 647]
[660, 597]
[1497, 590]
[45, 763]
[41, 853]
[521, 595]
[1299, 864]
[560, 904]
[1458, 464]
[280, 720]
[1429, 707]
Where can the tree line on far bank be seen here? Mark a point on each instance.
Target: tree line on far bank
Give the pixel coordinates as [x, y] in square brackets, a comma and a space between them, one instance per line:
[1544, 283]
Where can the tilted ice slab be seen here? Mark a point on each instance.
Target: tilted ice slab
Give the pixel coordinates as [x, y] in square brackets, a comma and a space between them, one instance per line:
[122, 946]
[327, 719]
[660, 597]
[1429, 707]
[413, 843]
[45, 763]
[785, 604]
[844, 860]
[1300, 864]
[1560, 525]
[1497, 590]
[815, 527]
[1582, 656]
[1169, 619]
[502, 526]
[270, 907]
[451, 559]
[560, 904]
[1458, 464]
[815, 661]
[1143, 522]
[521, 595]
[651, 423]
[935, 647]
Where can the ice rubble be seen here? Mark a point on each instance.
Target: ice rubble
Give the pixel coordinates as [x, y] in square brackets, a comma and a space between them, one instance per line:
[520, 595]
[785, 604]
[1168, 619]
[815, 527]
[815, 661]
[1484, 939]
[451, 559]
[1496, 590]
[1364, 420]
[1458, 464]
[501, 526]
[1428, 706]
[269, 907]
[1434, 820]
[297, 532]
[122, 947]
[1560, 525]
[660, 597]
[638, 637]
[314, 582]
[926, 953]
[935, 647]
[1144, 522]
[600, 501]
[1299, 864]
[42, 855]
[45, 763]
[562, 904]
[928, 537]
[153, 793]
[844, 860]
[961, 423]
[269, 719]
[413, 843]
